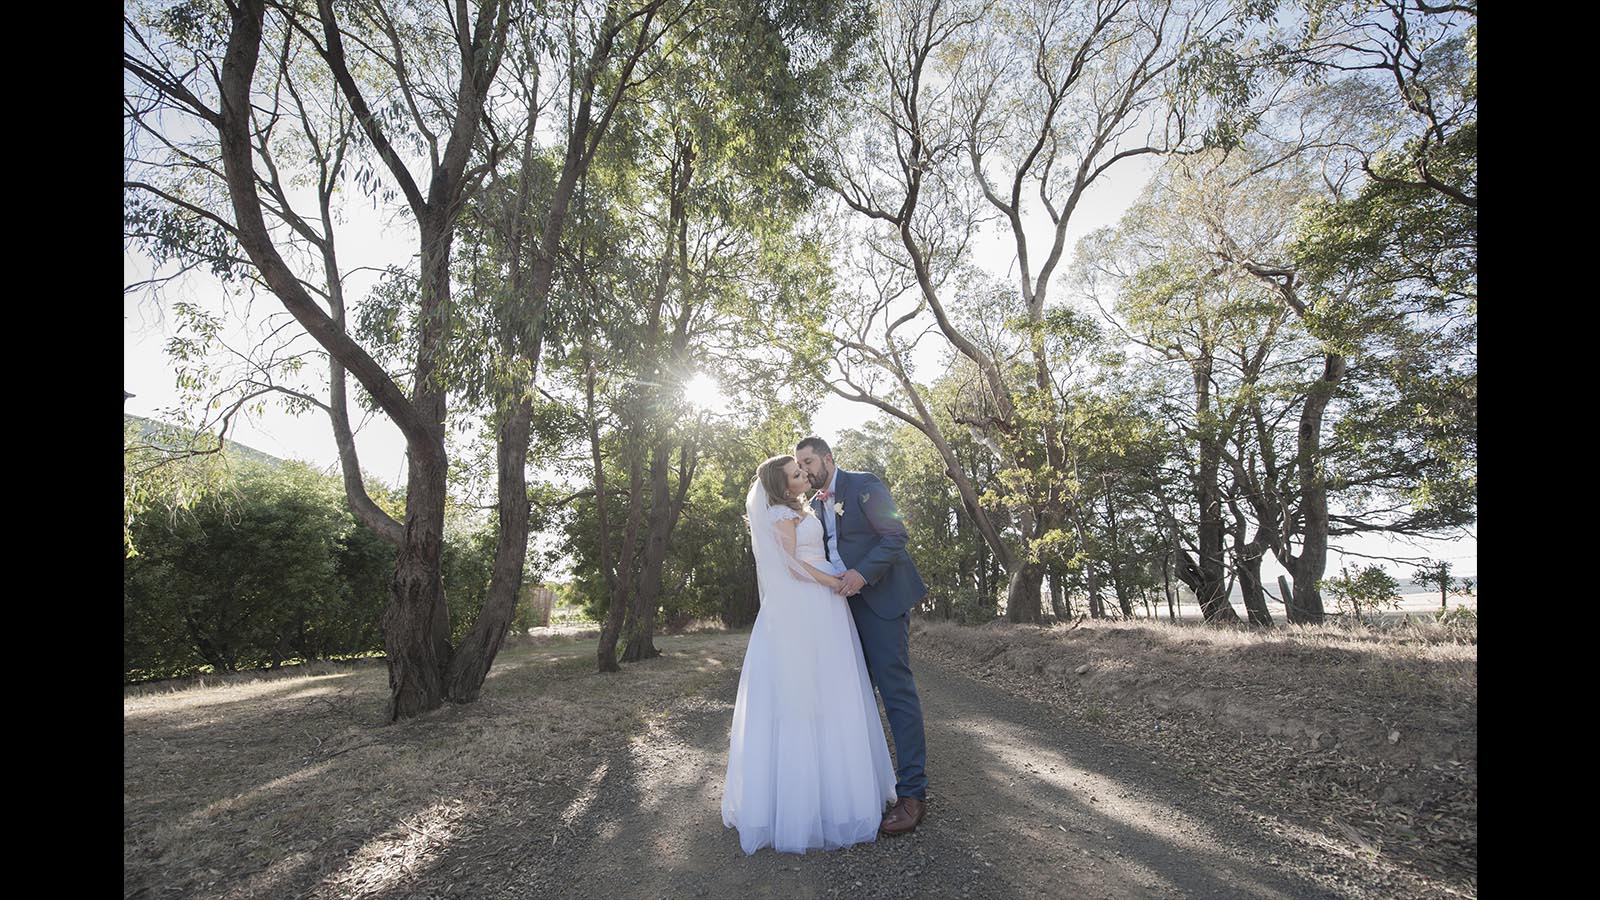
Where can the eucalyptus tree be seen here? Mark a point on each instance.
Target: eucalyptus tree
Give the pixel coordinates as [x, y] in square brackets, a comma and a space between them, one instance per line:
[1400, 241]
[197, 69]
[576, 82]
[1007, 111]
[692, 251]
[1320, 431]
[1208, 335]
[1405, 74]
[953, 559]
[1436, 574]
[414, 90]
[1382, 272]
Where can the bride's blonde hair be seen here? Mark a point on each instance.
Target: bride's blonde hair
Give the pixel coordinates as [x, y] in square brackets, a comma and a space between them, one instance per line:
[775, 480]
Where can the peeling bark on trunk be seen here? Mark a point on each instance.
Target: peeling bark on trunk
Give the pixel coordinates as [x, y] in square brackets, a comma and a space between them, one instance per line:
[416, 624]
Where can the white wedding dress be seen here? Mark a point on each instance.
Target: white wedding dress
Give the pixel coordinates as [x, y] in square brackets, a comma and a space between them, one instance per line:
[808, 765]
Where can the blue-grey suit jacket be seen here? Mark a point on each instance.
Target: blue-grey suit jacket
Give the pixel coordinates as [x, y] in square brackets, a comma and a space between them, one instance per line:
[872, 540]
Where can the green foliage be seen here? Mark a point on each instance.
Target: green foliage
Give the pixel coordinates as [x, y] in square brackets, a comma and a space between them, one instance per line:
[1436, 574]
[708, 572]
[165, 470]
[1371, 587]
[270, 566]
[466, 565]
[943, 540]
[238, 584]
[1464, 618]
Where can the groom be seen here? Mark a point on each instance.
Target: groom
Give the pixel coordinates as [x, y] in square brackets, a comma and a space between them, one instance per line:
[864, 536]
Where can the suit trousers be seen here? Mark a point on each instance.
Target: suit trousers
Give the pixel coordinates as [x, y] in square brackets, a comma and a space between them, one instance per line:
[886, 645]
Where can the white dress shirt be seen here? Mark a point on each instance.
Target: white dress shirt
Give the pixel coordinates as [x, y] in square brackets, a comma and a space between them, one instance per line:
[833, 527]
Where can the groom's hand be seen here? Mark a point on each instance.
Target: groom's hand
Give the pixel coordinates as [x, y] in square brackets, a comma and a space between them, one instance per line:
[850, 583]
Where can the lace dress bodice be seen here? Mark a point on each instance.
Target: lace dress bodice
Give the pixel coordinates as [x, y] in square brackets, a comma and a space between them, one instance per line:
[808, 542]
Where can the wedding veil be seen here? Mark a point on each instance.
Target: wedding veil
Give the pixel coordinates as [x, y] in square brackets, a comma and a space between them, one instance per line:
[774, 565]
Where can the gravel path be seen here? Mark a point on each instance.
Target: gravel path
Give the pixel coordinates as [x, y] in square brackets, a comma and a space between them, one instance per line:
[1022, 803]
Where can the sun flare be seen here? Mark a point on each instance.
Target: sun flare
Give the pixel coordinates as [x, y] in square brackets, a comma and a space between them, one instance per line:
[705, 393]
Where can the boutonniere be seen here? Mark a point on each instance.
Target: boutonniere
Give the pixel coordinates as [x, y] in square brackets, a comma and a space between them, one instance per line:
[838, 507]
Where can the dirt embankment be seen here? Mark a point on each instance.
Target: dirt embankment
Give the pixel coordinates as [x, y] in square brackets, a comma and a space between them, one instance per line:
[1365, 739]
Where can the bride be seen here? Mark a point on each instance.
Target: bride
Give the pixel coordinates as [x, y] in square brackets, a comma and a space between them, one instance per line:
[808, 765]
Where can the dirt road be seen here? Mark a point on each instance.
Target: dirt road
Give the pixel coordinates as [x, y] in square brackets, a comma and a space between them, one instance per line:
[290, 785]
[1022, 804]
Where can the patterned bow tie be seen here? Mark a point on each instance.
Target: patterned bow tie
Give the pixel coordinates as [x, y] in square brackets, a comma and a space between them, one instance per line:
[825, 495]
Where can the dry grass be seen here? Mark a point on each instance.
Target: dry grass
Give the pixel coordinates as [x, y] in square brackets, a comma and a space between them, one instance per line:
[1315, 684]
[289, 784]
[1370, 732]
[292, 785]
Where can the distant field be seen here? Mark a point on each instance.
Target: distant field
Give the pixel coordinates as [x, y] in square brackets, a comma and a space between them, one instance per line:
[1411, 606]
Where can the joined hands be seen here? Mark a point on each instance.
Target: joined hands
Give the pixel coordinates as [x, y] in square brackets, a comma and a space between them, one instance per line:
[850, 583]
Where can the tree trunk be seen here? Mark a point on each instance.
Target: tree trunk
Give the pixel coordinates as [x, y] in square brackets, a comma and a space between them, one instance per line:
[1166, 579]
[416, 624]
[1113, 558]
[1209, 589]
[1306, 596]
[1024, 593]
[1124, 601]
[985, 586]
[623, 583]
[640, 629]
[1247, 561]
[1208, 579]
[472, 660]
[1255, 597]
[1097, 604]
[478, 649]
[1313, 557]
[1058, 605]
[621, 593]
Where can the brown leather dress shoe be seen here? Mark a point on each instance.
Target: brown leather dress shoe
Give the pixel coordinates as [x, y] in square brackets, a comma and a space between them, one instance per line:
[904, 816]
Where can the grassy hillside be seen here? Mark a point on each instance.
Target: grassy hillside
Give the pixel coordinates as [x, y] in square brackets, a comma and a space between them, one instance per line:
[163, 434]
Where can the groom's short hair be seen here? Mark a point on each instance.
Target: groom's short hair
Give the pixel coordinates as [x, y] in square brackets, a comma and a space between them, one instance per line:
[817, 445]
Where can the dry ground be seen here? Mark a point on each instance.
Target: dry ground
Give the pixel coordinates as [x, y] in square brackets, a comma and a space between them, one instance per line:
[1183, 762]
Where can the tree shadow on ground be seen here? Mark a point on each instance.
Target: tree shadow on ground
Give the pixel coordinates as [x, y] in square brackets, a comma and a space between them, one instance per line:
[649, 823]
[1023, 804]
[296, 789]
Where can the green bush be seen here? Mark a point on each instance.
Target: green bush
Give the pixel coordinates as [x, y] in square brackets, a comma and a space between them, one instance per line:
[1458, 617]
[271, 567]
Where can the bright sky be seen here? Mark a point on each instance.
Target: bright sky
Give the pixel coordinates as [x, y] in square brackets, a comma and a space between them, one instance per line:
[366, 240]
